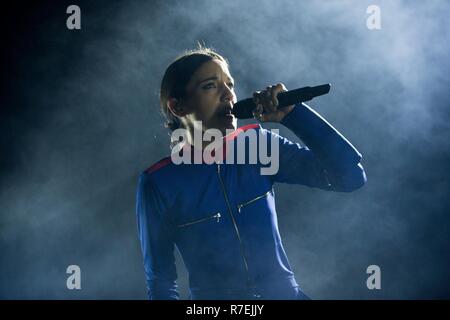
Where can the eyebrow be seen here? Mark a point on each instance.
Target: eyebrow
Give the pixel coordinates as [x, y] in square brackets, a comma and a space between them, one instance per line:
[212, 78]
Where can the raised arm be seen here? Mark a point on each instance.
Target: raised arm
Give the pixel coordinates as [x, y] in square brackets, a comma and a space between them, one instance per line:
[329, 161]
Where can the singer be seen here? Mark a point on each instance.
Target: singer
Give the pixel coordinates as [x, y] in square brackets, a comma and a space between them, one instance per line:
[222, 217]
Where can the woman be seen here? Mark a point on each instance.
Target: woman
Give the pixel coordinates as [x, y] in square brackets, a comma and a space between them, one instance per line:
[222, 216]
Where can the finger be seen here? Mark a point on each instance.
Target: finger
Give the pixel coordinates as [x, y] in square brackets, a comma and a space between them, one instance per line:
[269, 102]
[279, 87]
[268, 94]
[262, 117]
[258, 116]
[259, 109]
[256, 97]
[260, 97]
[264, 98]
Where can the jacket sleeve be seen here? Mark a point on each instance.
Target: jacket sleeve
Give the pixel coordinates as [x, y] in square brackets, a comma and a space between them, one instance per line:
[156, 242]
[329, 161]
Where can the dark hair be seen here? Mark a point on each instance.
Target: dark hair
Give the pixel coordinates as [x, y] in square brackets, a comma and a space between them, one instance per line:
[177, 76]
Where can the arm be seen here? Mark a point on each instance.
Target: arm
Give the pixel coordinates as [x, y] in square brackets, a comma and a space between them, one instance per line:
[156, 242]
[328, 162]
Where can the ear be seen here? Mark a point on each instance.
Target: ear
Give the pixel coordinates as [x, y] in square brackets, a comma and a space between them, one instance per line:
[176, 107]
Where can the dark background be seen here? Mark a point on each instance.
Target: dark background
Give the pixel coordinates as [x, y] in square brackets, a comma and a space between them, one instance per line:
[79, 121]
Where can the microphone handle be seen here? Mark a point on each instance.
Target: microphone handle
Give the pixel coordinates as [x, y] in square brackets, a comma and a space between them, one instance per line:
[301, 95]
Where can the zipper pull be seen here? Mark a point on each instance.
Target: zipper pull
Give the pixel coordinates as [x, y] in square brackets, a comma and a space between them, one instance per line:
[325, 173]
[217, 216]
[239, 208]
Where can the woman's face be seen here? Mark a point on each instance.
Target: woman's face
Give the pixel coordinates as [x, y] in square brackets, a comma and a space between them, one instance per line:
[210, 97]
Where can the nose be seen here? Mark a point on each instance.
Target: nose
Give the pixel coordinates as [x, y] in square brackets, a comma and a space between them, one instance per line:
[228, 94]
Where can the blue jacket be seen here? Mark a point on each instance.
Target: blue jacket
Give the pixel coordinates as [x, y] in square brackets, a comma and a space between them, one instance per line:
[222, 217]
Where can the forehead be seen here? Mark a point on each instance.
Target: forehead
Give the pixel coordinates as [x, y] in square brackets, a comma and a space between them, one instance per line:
[210, 69]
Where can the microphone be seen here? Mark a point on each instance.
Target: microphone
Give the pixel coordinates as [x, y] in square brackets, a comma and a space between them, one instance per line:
[243, 108]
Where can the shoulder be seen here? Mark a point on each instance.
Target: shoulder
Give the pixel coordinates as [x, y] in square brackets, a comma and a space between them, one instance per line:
[164, 162]
[256, 127]
[158, 172]
[239, 131]
[155, 176]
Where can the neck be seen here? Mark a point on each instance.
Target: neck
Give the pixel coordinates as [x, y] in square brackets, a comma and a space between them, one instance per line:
[196, 140]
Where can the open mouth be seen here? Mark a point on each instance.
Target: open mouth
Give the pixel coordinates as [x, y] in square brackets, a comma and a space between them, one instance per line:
[228, 113]
[229, 116]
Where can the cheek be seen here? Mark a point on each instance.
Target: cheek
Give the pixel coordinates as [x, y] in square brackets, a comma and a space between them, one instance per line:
[205, 107]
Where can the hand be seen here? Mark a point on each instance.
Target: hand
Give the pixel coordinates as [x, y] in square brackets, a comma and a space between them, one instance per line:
[267, 104]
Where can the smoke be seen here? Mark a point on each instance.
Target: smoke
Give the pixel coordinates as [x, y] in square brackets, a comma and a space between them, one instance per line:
[83, 121]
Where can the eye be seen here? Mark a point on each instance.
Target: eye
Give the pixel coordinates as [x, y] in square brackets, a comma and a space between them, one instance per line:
[208, 85]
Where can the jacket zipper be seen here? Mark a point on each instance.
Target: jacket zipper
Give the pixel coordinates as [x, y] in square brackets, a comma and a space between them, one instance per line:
[325, 173]
[216, 216]
[244, 259]
[240, 206]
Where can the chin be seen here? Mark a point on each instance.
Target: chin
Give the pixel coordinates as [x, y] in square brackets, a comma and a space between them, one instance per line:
[229, 126]
[224, 126]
